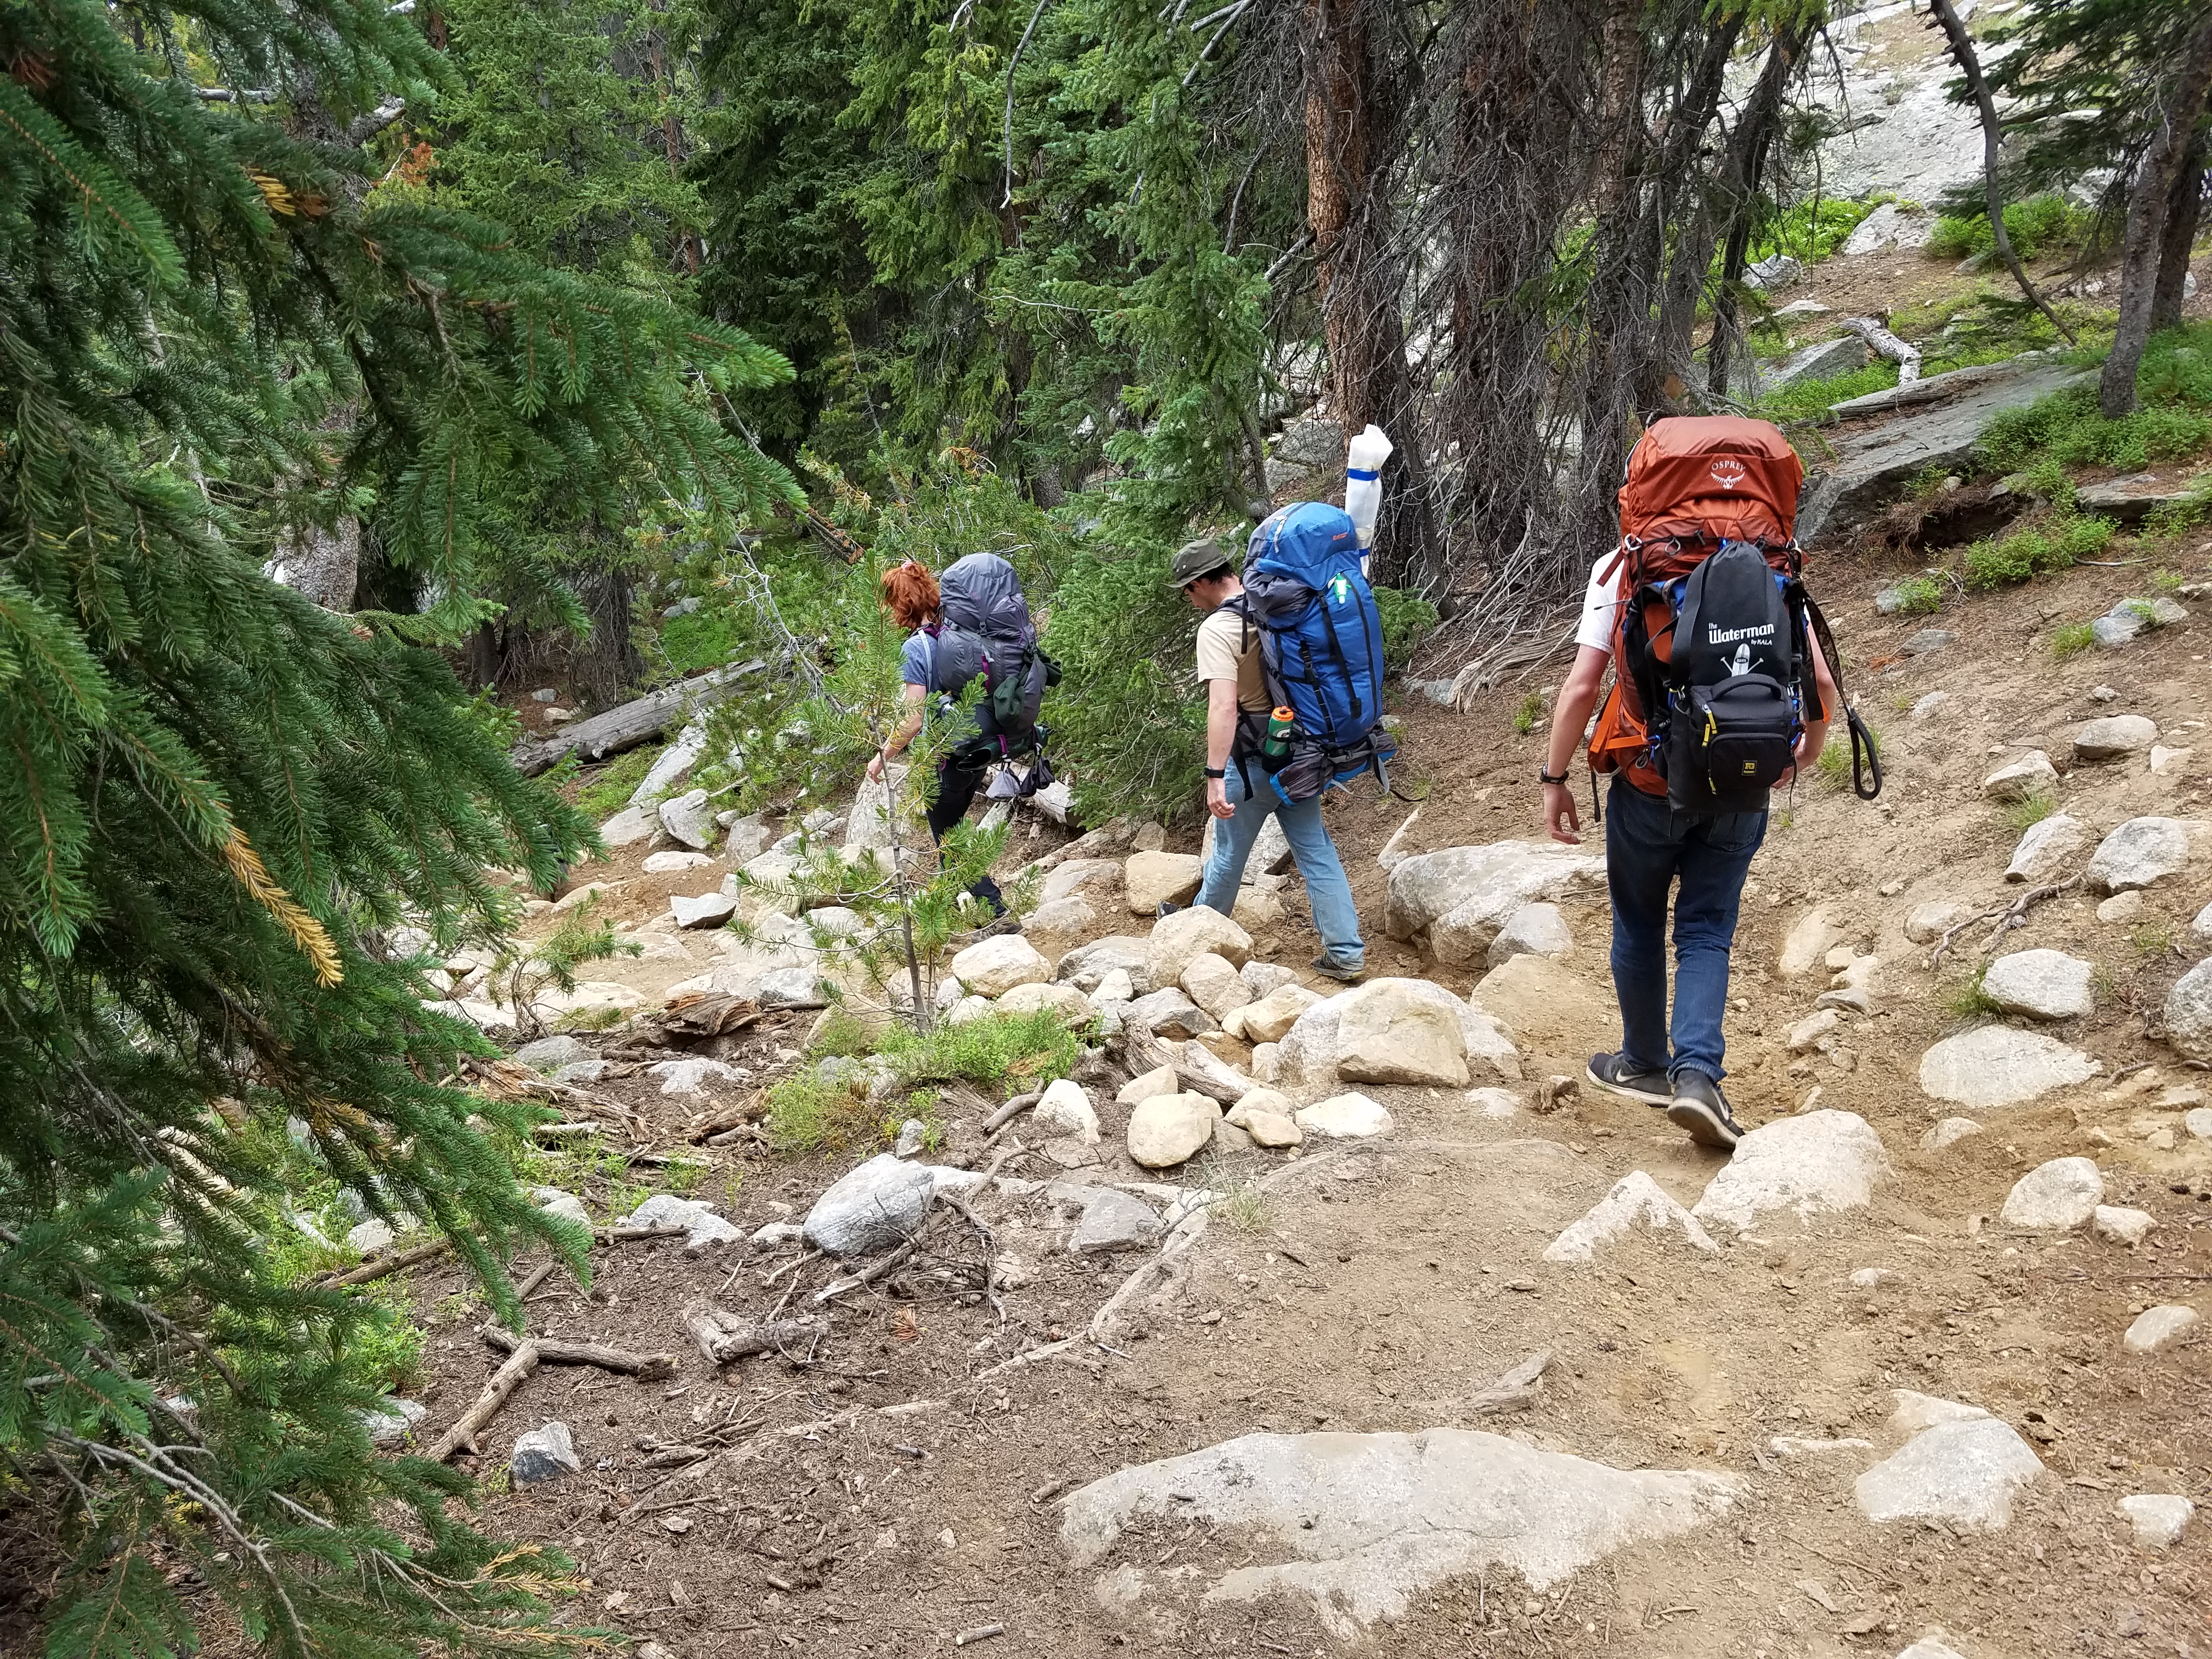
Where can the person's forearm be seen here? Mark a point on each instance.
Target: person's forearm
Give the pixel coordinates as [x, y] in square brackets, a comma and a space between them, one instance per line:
[904, 735]
[1220, 726]
[1577, 698]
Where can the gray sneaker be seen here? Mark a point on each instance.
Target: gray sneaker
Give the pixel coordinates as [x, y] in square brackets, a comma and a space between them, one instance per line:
[1615, 1075]
[1328, 968]
[1700, 1107]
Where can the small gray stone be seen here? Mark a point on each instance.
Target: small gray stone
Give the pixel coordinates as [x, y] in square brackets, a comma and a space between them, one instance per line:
[1926, 640]
[1949, 1132]
[2055, 1197]
[567, 1206]
[1114, 1220]
[1928, 705]
[690, 1077]
[665, 1209]
[747, 839]
[872, 1208]
[2046, 846]
[2043, 984]
[390, 1424]
[790, 988]
[703, 910]
[1964, 1471]
[2157, 1327]
[2115, 737]
[542, 1454]
[1168, 1012]
[2033, 773]
[1994, 1066]
[690, 819]
[547, 1053]
[2189, 1014]
[1774, 273]
[372, 1236]
[2140, 853]
[581, 1071]
[1266, 978]
[912, 1135]
[2121, 1225]
[2159, 1518]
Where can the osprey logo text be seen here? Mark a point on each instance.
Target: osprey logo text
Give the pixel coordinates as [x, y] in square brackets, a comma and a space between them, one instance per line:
[1727, 472]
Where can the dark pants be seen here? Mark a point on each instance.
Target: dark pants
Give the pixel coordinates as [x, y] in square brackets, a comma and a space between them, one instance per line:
[1649, 847]
[957, 784]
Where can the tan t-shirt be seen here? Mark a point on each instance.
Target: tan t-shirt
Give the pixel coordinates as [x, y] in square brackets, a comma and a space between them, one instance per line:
[1229, 649]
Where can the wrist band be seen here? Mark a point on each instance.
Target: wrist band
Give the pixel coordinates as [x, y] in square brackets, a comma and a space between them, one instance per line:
[1211, 773]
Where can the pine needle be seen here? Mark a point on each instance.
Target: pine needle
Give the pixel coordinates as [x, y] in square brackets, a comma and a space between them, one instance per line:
[246, 867]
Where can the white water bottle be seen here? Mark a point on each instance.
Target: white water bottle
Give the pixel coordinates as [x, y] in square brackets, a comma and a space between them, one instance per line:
[1363, 483]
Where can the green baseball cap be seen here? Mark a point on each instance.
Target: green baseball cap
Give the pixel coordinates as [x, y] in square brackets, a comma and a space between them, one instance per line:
[1195, 560]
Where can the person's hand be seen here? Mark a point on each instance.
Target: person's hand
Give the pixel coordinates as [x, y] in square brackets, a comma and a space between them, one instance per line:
[1806, 753]
[876, 766]
[1217, 799]
[1561, 822]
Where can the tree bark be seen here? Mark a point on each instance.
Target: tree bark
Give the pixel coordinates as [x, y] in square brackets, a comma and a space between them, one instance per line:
[2142, 243]
[1741, 166]
[1358, 280]
[2184, 207]
[1970, 65]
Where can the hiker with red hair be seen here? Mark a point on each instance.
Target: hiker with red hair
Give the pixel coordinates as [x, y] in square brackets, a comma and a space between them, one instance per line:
[975, 624]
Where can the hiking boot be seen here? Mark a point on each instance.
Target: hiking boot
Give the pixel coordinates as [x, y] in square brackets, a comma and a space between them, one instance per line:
[1613, 1073]
[1328, 968]
[1700, 1107]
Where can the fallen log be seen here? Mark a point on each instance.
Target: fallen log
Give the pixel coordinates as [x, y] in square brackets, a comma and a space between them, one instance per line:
[390, 1264]
[722, 1336]
[503, 1384]
[646, 1367]
[1881, 340]
[631, 723]
[1215, 1080]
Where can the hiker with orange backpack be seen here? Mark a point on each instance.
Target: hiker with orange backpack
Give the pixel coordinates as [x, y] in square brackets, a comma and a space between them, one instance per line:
[1724, 688]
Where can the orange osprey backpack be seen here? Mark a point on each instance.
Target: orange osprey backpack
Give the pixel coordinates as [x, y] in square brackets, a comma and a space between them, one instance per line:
[1713, 674]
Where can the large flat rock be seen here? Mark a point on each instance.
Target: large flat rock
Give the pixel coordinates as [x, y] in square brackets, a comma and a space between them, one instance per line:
[1357, 1525]
[1871, 462]
[1963, 1472]
[1809, 1164]
[1995, 1065]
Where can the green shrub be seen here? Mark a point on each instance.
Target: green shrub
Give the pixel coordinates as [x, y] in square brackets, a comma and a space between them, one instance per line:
[2035, 226]
[1814, 228]
[2029, 809]
[2055, 545]
[2072, 639]
[1834, 765]
[2175, 385]
[1919, 596]
[1530, 711]
[1808, 400]
[1406, 620]
[996, 1048]
[705, 638]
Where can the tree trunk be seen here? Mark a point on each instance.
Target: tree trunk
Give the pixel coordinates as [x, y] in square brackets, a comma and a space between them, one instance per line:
[2141, 243]
[322, 563]
[2183, 208]
[1742, 165]
[1358, 281]
[1970, 65]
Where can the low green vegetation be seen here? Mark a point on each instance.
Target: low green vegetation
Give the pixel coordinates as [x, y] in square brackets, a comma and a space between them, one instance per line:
[2055, 544]
[827, 1107]
[2151, 941]
[1530, 711]
[2036, 226]
[1834, 765]
[610, 789]
[1968, 1001]
[1408, 619]
[2175, 384]
[2071, 639]
[2029, 809]
[1816, 228]
[1920, 596]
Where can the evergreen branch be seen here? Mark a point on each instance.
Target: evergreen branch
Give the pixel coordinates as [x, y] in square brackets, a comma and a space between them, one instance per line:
[247, 870]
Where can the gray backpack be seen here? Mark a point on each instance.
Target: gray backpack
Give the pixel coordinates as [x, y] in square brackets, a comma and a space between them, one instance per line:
[983, 627]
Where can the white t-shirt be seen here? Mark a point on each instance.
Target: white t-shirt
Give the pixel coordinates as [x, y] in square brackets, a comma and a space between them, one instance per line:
[1599, 600]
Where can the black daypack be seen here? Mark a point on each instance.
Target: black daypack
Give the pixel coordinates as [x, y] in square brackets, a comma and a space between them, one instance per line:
[984, 628]
[1727, 685]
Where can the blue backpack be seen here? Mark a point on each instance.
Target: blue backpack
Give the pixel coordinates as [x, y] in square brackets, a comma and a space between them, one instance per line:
[1321, 647]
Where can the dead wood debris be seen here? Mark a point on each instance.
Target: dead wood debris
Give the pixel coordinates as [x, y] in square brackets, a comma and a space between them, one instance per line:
[723, 1336]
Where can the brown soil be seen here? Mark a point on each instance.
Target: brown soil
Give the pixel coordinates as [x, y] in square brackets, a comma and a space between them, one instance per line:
[895, 1491]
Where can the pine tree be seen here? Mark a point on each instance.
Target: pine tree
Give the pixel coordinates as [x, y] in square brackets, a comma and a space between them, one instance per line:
[219, 802]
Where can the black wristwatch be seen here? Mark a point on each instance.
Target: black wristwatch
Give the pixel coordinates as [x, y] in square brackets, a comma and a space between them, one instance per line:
[1542, 776]
[1210, 773]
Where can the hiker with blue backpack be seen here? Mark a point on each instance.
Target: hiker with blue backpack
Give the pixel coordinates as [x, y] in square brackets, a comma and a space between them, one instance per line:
[1725, 683]
[1291, 656]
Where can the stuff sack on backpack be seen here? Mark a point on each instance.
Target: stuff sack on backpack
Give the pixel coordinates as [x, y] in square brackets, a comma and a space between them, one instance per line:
[1733, 700]
[984, 628]
[1321, 647]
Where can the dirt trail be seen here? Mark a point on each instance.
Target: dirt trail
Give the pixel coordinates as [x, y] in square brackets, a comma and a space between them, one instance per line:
[899, 1490]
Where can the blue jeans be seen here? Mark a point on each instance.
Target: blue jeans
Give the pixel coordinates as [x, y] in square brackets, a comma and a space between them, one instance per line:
[1327, 889]
[1647, 845]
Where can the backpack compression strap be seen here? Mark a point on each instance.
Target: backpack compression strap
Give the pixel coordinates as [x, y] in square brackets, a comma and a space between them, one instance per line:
[1865, 758]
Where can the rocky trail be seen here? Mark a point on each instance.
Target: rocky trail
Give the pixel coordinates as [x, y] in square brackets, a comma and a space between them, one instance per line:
[1299, 1317]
